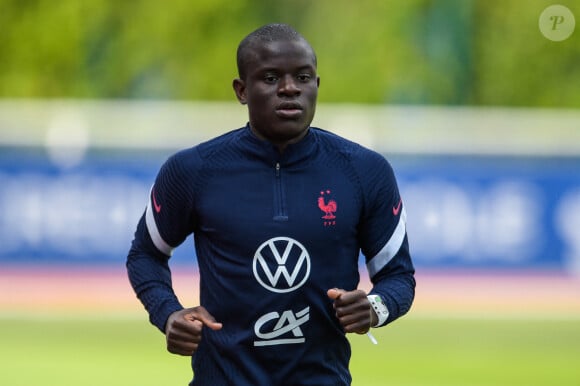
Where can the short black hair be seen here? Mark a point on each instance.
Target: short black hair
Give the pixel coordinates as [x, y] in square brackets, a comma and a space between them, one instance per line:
[274, 32]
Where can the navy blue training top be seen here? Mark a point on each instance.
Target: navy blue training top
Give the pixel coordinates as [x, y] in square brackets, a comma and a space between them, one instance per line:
[273, 232]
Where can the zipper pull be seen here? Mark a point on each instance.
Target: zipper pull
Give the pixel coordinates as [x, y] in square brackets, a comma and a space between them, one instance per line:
[277, 169]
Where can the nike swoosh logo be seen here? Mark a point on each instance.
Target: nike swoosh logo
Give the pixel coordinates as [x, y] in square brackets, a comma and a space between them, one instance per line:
[397, 208]
[155, 205]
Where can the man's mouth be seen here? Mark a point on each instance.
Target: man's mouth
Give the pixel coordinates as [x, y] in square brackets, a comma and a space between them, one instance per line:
[289, 110]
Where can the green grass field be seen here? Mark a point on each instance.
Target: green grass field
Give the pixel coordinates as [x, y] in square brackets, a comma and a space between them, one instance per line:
[413, 351]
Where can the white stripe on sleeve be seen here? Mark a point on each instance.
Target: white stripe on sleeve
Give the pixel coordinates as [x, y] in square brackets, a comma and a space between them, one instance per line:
[391, 247]
[154, 232]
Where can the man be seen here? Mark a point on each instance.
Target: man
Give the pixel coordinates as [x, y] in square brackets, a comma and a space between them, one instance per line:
[279, 212]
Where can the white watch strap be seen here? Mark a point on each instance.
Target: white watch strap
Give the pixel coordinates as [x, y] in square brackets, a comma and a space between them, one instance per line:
[379, 308]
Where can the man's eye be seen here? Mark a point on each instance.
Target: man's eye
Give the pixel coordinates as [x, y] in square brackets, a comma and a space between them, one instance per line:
[271, 78]
[304, 77]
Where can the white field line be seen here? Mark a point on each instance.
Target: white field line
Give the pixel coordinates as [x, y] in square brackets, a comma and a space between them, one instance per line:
[483, 316]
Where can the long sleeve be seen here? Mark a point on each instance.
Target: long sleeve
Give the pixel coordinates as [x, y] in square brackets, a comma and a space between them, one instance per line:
[384, 241]
[166, 223]
[150, 277]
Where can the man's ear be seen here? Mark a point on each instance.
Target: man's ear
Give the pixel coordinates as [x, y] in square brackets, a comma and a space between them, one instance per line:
[240, 90]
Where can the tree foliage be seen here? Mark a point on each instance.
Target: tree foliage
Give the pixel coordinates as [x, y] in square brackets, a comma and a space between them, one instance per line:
[459, 52]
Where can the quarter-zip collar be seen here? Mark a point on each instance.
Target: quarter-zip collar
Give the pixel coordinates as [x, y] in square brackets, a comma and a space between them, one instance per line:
[294, 154]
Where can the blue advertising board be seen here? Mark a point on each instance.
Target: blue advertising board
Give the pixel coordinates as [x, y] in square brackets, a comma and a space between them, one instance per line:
[492, 211]
[463, 211]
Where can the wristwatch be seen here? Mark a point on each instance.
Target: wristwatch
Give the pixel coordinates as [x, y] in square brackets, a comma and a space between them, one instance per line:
[379, 308]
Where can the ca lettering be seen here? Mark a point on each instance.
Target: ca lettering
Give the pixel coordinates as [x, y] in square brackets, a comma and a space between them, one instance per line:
[285, 331]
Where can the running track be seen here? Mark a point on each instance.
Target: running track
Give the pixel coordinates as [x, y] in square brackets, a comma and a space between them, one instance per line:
[32, 290]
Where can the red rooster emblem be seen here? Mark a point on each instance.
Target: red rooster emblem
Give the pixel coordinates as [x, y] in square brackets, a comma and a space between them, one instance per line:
[328, 208]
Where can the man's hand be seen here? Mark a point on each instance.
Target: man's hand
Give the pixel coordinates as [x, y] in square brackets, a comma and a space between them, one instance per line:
[183, 329]
[353, 310]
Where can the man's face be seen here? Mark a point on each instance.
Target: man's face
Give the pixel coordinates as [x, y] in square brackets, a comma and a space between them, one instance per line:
[280, 89]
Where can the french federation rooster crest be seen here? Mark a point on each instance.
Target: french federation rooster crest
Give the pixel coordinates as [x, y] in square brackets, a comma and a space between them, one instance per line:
[329, 208]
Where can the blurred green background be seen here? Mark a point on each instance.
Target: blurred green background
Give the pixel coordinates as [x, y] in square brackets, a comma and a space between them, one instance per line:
[413, 352]
[458, 52]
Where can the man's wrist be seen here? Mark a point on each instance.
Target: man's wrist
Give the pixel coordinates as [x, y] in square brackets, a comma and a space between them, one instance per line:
[379, 308]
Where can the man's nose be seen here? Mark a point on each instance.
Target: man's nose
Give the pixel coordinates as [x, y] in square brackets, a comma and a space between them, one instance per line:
[288, 85]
